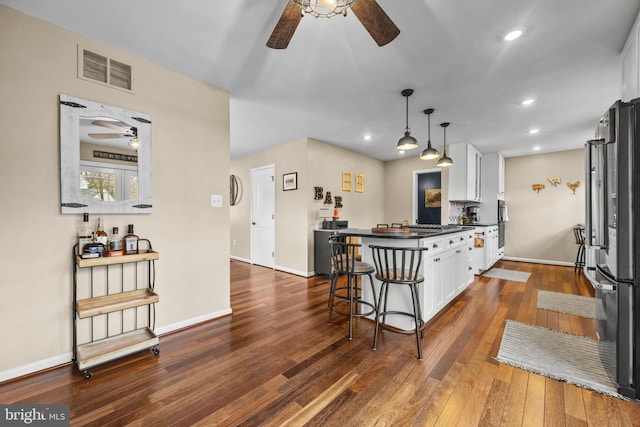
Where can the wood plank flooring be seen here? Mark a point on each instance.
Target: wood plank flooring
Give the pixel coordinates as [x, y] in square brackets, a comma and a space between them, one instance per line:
[277, 362]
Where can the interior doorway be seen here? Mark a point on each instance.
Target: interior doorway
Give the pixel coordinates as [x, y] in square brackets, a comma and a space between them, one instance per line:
[427, 196]
[263, 202]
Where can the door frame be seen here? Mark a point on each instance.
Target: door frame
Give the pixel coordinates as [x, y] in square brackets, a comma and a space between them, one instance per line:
[414, 196]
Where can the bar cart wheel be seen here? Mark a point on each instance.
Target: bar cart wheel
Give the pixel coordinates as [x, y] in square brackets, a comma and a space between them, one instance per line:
[155, 350]
[87, 375]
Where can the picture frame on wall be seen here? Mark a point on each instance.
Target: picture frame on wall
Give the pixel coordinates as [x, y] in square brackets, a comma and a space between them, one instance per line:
[290, 181]
[346, 180]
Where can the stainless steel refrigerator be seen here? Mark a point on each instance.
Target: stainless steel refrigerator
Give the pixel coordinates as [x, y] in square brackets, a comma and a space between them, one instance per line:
[613, 239]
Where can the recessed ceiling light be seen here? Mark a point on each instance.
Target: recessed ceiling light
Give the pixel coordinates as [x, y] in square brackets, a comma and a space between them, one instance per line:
[536, 148]
[534, 131]
[367, 137]
[513, 35]
[528, 101]
[401, 152]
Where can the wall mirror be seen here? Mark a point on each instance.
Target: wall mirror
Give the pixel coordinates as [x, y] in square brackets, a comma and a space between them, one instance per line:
[105, 158]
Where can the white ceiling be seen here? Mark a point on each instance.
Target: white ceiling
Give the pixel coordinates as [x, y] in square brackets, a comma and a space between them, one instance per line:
[333, 82]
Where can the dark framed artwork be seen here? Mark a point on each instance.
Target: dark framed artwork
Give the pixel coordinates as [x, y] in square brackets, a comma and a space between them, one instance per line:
[433, 198]
[290, 181]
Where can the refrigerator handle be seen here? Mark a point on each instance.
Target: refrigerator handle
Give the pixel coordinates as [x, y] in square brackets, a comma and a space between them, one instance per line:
[592, 237]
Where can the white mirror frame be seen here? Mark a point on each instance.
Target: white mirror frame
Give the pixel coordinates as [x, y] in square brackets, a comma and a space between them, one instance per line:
[71, 109]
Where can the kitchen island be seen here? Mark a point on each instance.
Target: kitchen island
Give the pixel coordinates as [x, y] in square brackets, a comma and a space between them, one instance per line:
[447, 267]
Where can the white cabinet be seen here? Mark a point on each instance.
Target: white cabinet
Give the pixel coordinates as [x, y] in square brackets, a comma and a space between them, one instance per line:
[630, 72]
[485, 248]
[492, 186]
[465, 182]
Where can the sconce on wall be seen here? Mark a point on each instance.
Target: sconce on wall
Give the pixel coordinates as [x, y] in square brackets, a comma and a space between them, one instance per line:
[537, 187]
[555, 181]
[573, 186]
[235, 190]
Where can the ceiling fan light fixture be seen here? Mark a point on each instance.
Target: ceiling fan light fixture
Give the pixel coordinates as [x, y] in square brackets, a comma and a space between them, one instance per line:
[407, 142]
[324, 8]
[429, 153]
[444, 160]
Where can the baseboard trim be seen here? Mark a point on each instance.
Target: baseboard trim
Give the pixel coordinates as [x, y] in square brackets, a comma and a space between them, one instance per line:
[280, 268]
[163, 330]
[296, 272]
[40, 365]
[237, 258]
[65, 359]
[538, 261]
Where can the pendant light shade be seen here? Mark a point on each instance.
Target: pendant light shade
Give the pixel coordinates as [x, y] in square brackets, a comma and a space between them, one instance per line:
[407, 142]
[444, 160]
[429, 152]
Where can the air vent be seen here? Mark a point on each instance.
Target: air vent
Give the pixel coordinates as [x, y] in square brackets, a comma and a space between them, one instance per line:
[102, 69]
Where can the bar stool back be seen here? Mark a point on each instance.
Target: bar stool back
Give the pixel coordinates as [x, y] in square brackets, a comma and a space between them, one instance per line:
[399, 267]
[345, 259]
[579, 235]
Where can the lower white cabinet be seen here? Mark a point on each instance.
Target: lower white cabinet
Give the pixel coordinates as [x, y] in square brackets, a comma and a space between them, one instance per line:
[485, 248]
[447, 270]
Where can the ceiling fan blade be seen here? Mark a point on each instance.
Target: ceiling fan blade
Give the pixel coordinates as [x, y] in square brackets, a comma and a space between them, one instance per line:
[286, 26]
[375, 21]
[109, 125]
[110, 135]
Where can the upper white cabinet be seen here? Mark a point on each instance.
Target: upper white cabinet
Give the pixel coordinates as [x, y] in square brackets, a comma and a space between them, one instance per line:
[492, 186]
[465, 183]
[630, 66]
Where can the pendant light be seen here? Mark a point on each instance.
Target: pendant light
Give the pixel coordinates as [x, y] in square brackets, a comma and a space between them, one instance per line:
[444, 160]
[429, 152]
[407, 142]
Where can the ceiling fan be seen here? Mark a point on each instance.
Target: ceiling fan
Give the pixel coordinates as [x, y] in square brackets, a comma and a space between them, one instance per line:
[125, 130]
[368, 12]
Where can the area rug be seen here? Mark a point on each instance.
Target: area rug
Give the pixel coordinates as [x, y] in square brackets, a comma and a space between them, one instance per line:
[501, 273]
[570, 358]
[567, 303]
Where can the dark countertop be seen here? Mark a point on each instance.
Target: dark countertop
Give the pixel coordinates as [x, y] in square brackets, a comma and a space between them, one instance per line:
[421, 234]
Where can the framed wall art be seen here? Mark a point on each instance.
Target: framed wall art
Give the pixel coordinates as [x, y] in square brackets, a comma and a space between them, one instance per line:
[346, 181]
[359, 183]
[290, 181]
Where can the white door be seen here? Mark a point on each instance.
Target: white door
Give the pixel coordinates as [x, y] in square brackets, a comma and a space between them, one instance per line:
[263, 202]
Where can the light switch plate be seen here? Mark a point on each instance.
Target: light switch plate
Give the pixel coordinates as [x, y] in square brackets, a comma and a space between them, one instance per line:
[216, 201]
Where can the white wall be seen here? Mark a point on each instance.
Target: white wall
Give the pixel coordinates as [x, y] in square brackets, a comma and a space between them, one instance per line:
[190, 149]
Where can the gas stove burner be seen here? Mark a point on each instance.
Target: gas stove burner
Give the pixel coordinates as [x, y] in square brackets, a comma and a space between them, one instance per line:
[426, 226]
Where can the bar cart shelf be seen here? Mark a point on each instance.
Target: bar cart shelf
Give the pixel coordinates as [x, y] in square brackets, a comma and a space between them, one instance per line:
[113, 306]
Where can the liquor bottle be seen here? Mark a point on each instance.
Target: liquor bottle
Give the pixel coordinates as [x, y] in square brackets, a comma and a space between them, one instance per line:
[115, 243]
[84, 234]
[101, 235]
[130, 242]
[94, 249]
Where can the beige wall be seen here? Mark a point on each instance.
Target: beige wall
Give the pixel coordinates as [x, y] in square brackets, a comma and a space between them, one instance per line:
[399, 188]
[540, 224]
[190, 152]
[291, 218]
[318, 165]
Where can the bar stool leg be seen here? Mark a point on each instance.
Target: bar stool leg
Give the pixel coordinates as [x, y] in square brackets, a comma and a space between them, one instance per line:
[383, 292]
[332, 294]
[352, 281]
[417, 318]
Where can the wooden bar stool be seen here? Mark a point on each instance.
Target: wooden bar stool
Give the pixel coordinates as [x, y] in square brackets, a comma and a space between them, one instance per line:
[399, 267]
[346, 262]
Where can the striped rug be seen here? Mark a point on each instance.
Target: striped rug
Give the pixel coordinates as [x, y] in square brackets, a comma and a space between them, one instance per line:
[567, 303]
[570, 358]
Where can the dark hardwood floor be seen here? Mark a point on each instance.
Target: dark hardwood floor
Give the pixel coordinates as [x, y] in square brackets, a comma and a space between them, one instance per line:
[276, 361]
